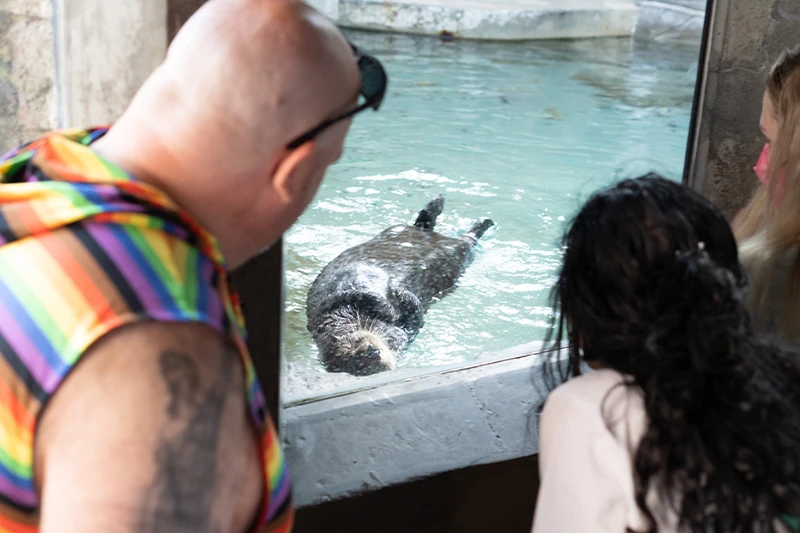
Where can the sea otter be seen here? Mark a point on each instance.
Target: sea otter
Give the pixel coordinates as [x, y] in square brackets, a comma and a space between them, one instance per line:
[370, 301]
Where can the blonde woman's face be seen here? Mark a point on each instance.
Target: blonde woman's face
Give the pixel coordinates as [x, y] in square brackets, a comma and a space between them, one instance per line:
[769, 120]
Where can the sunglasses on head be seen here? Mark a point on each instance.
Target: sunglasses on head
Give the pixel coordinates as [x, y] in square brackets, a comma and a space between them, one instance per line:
[373, 88]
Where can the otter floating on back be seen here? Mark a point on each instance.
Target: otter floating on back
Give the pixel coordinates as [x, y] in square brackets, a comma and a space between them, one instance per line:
[370, 301]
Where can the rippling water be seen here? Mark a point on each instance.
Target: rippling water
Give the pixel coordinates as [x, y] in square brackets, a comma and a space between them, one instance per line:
[521, 133]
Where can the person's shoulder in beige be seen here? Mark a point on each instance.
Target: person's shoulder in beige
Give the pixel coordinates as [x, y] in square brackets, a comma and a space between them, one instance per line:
[584, 461]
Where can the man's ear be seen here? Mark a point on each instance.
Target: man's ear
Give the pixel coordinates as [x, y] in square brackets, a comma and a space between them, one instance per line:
[293, 175]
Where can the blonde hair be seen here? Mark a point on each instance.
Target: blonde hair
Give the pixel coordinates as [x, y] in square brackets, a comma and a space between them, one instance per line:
[767, 231]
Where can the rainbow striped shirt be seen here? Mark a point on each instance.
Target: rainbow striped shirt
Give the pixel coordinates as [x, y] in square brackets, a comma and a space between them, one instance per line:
[84, 249]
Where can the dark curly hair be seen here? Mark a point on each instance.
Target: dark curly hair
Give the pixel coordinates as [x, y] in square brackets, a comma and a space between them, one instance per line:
[651, 286]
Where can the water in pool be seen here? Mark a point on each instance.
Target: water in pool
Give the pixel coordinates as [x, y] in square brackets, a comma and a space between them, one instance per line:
[519, 132]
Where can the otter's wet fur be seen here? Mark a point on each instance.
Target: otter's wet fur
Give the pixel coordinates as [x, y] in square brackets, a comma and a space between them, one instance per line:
[370, 301]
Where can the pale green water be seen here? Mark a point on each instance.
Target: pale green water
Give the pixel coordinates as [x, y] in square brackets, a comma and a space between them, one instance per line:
[517, 132]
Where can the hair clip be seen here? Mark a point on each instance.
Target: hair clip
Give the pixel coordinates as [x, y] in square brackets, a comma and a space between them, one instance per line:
[701, 247]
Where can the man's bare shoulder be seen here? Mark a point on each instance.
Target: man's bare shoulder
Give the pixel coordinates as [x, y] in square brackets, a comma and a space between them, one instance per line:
[129, 343]
[148, 418]
[156, 360]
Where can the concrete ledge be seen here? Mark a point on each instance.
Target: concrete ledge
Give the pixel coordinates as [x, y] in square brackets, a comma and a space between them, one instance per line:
[397, 432]
[488, 19]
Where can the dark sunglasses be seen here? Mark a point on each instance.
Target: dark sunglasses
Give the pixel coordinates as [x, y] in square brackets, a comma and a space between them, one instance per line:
[373, 88]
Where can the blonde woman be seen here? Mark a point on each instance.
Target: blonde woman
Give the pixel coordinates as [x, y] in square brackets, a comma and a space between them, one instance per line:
[768, 228]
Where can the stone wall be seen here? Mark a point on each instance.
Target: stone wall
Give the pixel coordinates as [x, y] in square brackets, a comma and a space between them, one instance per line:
[27, 71]
[105, 51]
[67, 63]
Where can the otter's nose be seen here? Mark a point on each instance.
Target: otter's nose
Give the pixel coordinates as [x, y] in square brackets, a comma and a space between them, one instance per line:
[370, 360]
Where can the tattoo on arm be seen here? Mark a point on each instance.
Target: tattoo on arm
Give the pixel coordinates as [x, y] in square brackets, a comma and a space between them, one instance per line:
[181, 496]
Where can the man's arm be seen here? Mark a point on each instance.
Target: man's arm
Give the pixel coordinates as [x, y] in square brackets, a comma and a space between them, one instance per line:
[149, 434]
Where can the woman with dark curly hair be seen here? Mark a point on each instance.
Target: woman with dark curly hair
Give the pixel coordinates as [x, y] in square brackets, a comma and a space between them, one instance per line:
[689, 423]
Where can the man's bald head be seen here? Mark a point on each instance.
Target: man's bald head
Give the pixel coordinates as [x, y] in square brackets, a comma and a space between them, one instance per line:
[263, 70]
[210, 127]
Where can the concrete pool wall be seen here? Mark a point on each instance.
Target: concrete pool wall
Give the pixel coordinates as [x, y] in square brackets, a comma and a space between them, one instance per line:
[522, 19]
[488, 19]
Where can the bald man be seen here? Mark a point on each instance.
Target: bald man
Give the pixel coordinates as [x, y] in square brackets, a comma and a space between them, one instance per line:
[115, 308]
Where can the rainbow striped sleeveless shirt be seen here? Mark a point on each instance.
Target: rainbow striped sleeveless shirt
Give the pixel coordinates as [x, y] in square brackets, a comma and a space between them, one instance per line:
[84, 249]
